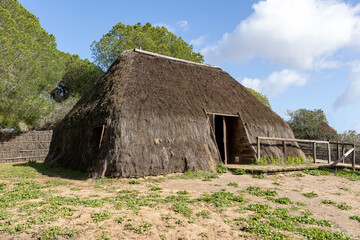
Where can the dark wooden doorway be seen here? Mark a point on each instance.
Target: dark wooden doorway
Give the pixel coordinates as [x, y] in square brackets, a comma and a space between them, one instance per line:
[226, 129]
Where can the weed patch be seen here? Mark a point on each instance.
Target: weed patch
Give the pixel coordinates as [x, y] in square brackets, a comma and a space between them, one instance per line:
[57, 231]
[221, 168]
[282, 200]
[340, 206]
[203, 214]
[257, 191]
[182, 209]
[233, 184]
[318, 233]
[239, 171]
[100, 216]
[357, 218]
[310, 194]
[222, 199]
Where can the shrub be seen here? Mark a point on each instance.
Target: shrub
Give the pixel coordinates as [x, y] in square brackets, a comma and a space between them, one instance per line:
[221, 168]
[239, 171]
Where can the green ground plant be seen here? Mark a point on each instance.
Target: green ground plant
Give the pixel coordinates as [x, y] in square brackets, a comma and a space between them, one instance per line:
[239, 171]
[281, 200]
[344, 173]
[182, 192]
[100, 216]
[340, 206]
[233, 184]
[357, 218]
[310, 194]
[257, 191]
[134, 182]
[221, 168]
[203, 214]
[280, 160]
[258, 175]
[182, 208]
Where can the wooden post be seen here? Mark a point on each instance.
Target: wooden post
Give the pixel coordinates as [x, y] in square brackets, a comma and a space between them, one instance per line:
[258, 149]
[329, 153]
[343, 152]
[225, 145]
[337, 150]
[353, 160]
[314, 152]
[284, 149]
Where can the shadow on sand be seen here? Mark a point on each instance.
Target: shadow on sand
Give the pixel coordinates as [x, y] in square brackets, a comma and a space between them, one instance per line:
[44, 169]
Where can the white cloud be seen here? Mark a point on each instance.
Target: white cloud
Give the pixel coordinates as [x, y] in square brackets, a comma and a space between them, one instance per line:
[327, 64]
[198, 42]
[351, 95]
[298, 34]
[276, 83]
[168, 27]
[183, 24]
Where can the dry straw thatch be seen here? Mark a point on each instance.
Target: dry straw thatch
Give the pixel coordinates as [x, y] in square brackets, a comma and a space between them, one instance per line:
[153, 112]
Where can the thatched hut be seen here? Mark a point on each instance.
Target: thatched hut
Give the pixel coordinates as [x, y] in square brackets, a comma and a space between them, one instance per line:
[151, 114]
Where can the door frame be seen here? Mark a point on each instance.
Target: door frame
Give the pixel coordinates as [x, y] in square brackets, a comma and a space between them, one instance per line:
[212, 126]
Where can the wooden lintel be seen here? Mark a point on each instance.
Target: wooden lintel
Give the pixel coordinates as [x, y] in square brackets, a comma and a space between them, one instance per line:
[223, 114]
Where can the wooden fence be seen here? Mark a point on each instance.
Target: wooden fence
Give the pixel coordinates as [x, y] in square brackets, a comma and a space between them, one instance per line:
[18, 147]
[320, 150]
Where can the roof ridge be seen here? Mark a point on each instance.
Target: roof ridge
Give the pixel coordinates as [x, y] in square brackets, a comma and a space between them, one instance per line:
[173, 58]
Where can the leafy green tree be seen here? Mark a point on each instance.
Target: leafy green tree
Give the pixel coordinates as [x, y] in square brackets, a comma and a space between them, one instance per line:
[80, 75]
[147, 37]
[310, 124]
[33, 72]
[30, 66]
[350, 136]
[261, 97]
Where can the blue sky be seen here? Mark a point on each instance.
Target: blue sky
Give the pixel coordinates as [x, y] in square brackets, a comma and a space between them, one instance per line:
[300, 53]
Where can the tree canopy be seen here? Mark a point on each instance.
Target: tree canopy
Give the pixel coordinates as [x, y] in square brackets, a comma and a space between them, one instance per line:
[80, 75]
[31, 67]
[147, 37]
[261, 97]
[310, 124]
[350, 136]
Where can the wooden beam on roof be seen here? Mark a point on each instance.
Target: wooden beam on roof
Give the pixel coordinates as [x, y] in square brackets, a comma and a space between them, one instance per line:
[224, 114]
[175, 59]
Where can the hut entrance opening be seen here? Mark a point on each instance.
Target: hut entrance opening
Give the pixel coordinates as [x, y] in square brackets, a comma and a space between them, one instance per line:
[226, 129]
[96, 136]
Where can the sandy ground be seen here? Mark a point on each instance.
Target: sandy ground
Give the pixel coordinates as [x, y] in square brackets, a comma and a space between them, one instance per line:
[166, 224]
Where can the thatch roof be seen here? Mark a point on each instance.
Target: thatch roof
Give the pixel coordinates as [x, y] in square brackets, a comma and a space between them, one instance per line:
[153, 111]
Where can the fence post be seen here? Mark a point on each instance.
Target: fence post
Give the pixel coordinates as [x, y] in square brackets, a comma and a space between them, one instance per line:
[314, 151]
[329, 153]
[284, 149]
[258, 149]
[353, 160]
